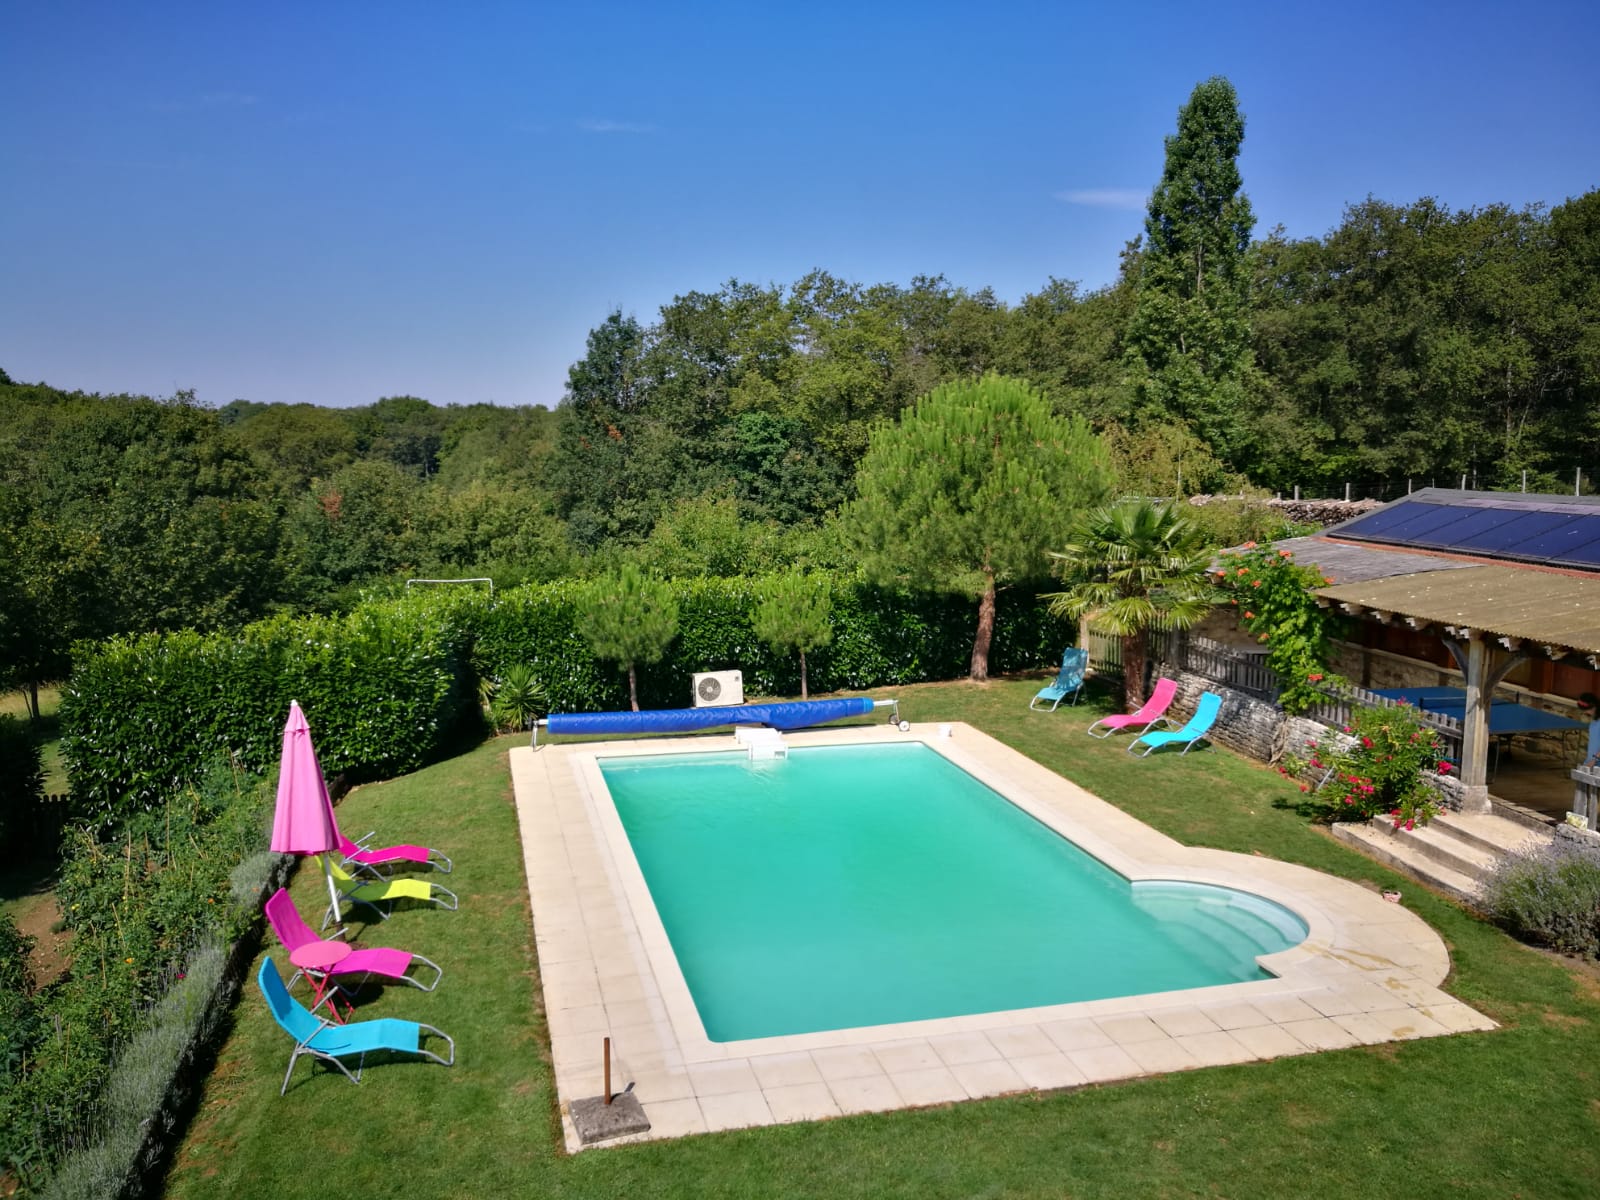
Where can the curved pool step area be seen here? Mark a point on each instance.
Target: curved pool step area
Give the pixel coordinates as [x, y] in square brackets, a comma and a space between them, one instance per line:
[1363, 972]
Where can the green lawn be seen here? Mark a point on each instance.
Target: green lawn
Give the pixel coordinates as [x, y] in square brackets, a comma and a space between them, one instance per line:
[1514, 1112]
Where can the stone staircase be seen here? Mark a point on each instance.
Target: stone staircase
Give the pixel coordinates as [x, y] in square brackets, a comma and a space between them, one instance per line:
[1454, 852]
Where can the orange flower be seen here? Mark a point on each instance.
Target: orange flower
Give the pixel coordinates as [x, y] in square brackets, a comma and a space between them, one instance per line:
[1326, 581]
[1285, 553]
[1249, 616]
[1242, 571]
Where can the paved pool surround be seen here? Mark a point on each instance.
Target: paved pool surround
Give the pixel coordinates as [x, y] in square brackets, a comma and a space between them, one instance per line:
[1368, 971]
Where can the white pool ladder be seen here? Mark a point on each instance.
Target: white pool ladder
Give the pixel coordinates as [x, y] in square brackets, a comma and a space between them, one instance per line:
[762, 742]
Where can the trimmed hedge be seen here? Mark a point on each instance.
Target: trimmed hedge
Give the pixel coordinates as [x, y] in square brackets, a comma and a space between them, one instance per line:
[882, 637]
[387, 685]
[384, 687]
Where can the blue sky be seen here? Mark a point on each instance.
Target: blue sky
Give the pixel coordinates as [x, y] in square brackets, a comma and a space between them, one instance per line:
[336, 202]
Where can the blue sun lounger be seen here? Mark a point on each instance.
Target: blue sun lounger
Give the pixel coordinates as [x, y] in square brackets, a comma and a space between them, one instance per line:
[1205, 716]
[1074, 662]
[323, 1039]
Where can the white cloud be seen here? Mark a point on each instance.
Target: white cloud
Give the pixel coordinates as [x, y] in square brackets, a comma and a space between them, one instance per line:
[596, 126]
[1121, 198]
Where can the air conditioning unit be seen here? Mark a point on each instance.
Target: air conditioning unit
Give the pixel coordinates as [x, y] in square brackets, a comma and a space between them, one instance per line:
[714, 688]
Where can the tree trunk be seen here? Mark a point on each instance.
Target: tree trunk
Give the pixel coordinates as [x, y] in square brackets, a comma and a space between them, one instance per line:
[1133, 655]
[33, 699]
[803, 673]
[980, 643]
[633, 688]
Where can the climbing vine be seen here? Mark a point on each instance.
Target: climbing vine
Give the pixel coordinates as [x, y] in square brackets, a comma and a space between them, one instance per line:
[1276, 603]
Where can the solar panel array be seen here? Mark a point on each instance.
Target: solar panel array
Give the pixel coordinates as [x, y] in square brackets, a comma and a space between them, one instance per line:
[1524, 530]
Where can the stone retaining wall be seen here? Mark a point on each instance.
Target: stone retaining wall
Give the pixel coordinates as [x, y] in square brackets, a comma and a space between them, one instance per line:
[1264, 732]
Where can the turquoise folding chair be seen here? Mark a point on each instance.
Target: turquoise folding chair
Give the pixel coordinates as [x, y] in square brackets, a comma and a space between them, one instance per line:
[323, 1039]
[1205, 716]
[1074, 662]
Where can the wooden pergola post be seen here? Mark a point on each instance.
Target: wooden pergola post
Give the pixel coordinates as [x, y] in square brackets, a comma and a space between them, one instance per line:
[1475, 727]
[1477, 659]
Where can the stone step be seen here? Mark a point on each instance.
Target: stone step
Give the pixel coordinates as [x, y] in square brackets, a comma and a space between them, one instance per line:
[1439, 842]
[1492, 832]
[1403, 856]
[1518, 815]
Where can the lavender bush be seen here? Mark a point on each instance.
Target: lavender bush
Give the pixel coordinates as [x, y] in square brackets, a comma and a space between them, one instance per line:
[1550, 897]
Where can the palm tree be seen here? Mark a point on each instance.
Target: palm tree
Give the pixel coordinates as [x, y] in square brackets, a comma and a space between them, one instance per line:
[1128, 567]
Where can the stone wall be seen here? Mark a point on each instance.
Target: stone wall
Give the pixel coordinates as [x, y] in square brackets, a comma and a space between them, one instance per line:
[1264, 732]
[1305, 512]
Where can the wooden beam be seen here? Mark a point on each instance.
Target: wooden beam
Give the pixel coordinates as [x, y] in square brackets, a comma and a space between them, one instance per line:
[1355, 610]
[1382, 617]
[1513, 643]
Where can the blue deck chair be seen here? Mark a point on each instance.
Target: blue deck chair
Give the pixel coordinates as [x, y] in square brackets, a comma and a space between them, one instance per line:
[322, 1039]
[1074, 662]
[1205, 716]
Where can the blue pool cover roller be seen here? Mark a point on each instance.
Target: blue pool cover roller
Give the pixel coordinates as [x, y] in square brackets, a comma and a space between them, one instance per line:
[789, 714]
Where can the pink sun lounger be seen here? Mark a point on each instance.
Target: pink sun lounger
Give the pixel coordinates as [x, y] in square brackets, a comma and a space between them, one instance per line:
[388, 856]
[1151, 714]
[390, 965]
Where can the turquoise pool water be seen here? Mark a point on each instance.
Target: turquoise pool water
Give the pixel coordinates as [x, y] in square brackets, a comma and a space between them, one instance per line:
[864, 885]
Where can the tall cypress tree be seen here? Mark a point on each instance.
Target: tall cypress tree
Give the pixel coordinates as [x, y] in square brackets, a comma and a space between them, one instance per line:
[1189, 341]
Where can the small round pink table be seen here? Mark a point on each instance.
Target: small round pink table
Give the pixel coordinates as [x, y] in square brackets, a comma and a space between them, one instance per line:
[317, 960]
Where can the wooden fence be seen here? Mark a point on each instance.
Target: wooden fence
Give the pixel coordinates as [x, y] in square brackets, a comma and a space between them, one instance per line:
[1218, 663]
[1336, 707]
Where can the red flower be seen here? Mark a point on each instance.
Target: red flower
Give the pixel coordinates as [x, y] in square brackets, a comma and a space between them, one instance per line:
[1305, 787]
[1411, 823]
[1249, 616]
[1242, 571]
[1286, 553]
[1317, 678]
[1366, 741]
[1326, 581]
[1444, 768]
[1255, 583]
[1249, 546]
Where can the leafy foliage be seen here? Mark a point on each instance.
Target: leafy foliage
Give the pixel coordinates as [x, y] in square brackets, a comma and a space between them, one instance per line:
[1380, 770]
[1129, 567]
[1189, 340]
[518, 700]
[21, 777]
[968, 491]
[629, 618]
[1276, 600]
[793, 615]
[138, 903]
[1550, 897]
[881, 637]
[386, 686]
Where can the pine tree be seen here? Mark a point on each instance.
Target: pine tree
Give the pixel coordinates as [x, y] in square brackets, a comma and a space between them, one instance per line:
[970, 489]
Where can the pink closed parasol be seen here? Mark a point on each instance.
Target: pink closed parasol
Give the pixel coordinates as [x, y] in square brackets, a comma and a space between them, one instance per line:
[303, 821]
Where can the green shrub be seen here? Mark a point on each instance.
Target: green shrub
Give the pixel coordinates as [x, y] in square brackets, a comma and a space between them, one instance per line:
[139, 900]
[384, 688]
[1381, 771]
[20, 1030]
[21, 779]
[1550, 897]
[881, 637]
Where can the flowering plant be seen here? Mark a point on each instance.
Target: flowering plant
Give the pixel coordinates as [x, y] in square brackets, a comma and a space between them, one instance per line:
[1381, 770]
[1275, 601]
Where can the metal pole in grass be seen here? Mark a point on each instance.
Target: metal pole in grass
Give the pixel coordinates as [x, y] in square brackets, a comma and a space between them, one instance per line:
[607, 1092]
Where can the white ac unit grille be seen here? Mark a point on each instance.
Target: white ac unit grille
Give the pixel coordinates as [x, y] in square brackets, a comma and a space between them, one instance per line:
[716, 688]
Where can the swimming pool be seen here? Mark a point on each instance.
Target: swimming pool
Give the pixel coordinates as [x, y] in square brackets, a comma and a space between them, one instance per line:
[848, 886]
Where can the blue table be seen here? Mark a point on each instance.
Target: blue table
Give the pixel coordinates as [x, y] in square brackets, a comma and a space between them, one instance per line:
[1506, 716]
